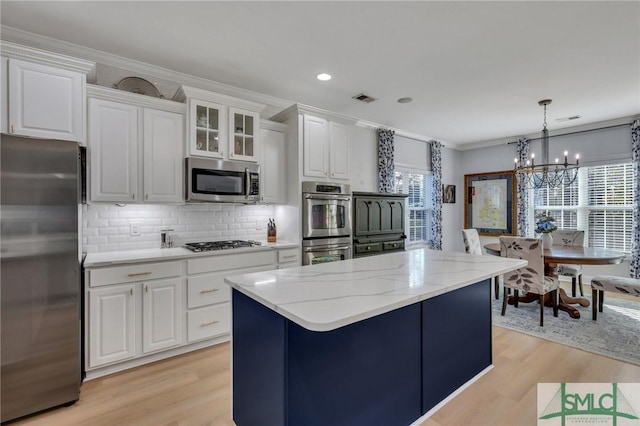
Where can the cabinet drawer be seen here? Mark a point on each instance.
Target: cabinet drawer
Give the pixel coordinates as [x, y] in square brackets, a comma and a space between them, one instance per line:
[208, 322]
[393, 245]
[289, 255]
[231, 261]
[206, 290]
[126, 274]
[368, 248]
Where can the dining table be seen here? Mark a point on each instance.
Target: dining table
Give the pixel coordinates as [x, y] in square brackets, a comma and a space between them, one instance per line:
[561, 254]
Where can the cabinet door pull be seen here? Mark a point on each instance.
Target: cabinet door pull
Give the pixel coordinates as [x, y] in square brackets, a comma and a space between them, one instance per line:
[208, 290]
[205, 324]
[290, 256]
[137, 274]
[146, 289]
[131, 291]
[133, 196]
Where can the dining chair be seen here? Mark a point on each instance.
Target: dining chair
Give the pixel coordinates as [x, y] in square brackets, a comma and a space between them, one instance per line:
[530, 279]
[472, 246]
[612, 283]
[570, 237]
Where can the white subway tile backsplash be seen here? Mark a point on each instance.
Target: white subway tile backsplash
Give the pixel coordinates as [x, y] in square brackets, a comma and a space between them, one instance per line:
[107, 227]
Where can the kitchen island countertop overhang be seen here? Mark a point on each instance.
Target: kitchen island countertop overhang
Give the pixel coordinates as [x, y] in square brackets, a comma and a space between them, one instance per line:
[327, 296]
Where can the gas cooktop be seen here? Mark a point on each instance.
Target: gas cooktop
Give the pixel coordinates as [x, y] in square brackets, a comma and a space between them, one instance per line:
[221, 245]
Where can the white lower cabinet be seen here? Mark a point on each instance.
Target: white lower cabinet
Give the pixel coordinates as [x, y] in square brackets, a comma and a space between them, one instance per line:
[208, 322]
[112, 324]
[289, 258]
[209, 297]
[142, 312]
[161, 314]
[133, 310]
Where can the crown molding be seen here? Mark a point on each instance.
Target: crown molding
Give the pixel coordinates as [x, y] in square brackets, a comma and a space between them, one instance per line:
[16, 51]
[415, 136]
[559, 132]
[317, 112]
[135, 99]
[188, 92]
[97, 56]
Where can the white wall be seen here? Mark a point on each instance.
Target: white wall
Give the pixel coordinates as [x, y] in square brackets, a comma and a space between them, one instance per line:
[595, 147]
[452, 213]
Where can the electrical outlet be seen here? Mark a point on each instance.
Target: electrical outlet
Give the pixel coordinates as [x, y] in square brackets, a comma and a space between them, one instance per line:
[135, 230]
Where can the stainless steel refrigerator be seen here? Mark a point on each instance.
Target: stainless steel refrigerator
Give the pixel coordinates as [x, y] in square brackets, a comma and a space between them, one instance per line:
[40, 275]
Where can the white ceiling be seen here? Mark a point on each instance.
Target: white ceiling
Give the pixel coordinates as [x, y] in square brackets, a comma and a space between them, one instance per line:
[475, 70]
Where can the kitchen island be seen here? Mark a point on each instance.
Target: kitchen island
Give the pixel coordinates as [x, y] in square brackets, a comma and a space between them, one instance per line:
[375, 340]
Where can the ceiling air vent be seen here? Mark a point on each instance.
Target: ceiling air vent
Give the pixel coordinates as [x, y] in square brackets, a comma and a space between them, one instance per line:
[364, 98]
[573, 117]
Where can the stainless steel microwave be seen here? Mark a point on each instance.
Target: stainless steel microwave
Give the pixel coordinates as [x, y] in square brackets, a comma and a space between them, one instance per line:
[219, 181]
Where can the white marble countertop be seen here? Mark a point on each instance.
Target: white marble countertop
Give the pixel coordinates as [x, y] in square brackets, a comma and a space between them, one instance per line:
[107, 258]
[327, 296]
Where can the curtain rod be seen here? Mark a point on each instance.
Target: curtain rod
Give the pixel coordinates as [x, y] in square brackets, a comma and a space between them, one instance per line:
[576, 132]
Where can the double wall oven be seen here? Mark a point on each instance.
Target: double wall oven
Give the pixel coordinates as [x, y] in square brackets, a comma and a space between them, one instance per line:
[326, 222]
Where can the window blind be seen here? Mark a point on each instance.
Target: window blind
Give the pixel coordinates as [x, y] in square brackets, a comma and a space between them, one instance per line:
[600, 202]
[418, 206]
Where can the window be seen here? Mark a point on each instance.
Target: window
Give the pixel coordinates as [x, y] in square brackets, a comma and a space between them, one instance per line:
[600, 202]
[418, 207]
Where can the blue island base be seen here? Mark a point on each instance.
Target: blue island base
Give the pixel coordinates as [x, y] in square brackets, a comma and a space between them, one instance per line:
[386, 370]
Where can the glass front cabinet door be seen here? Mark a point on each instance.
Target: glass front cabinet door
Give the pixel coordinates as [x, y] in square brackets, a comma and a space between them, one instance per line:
[243, 128]
[208, 128]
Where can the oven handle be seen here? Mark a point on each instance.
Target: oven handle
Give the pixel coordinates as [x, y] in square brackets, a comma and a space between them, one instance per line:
[326, 197]
[310, 250]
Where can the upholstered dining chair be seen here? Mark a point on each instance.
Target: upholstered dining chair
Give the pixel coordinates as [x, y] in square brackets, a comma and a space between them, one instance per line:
[612, 283]
[530, 279]
[472, 246]
[570, 237]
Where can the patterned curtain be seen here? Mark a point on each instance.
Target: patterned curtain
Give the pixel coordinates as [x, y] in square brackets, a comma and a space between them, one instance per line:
[385, 160]
[522, 194]
[634, 269]
[436, 195]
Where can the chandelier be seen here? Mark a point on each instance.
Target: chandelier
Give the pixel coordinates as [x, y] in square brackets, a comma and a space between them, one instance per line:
[552, 175]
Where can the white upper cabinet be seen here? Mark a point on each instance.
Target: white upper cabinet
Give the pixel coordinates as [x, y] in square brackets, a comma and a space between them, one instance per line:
[221, 126]
[339, 149]
[113, 151]
[243, 143]
[207, 128]
[326, 148]
[273, 162]
[135, 147]
[43, 93]
[316, 141]
[162, 148]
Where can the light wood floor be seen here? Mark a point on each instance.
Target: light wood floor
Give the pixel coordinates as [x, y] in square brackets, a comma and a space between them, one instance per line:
[193, 389]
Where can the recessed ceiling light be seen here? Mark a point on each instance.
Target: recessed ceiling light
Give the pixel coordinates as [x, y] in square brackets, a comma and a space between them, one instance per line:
[323, 77]
[404, 100]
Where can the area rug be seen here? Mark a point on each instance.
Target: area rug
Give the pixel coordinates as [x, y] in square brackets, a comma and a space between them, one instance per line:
[615, 334]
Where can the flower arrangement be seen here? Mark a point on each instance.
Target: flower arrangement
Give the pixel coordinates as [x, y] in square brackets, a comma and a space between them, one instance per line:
[544, 224]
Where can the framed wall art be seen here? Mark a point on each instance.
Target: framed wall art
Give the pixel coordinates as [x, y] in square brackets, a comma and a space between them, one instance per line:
[448, 194]
[490, 203]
